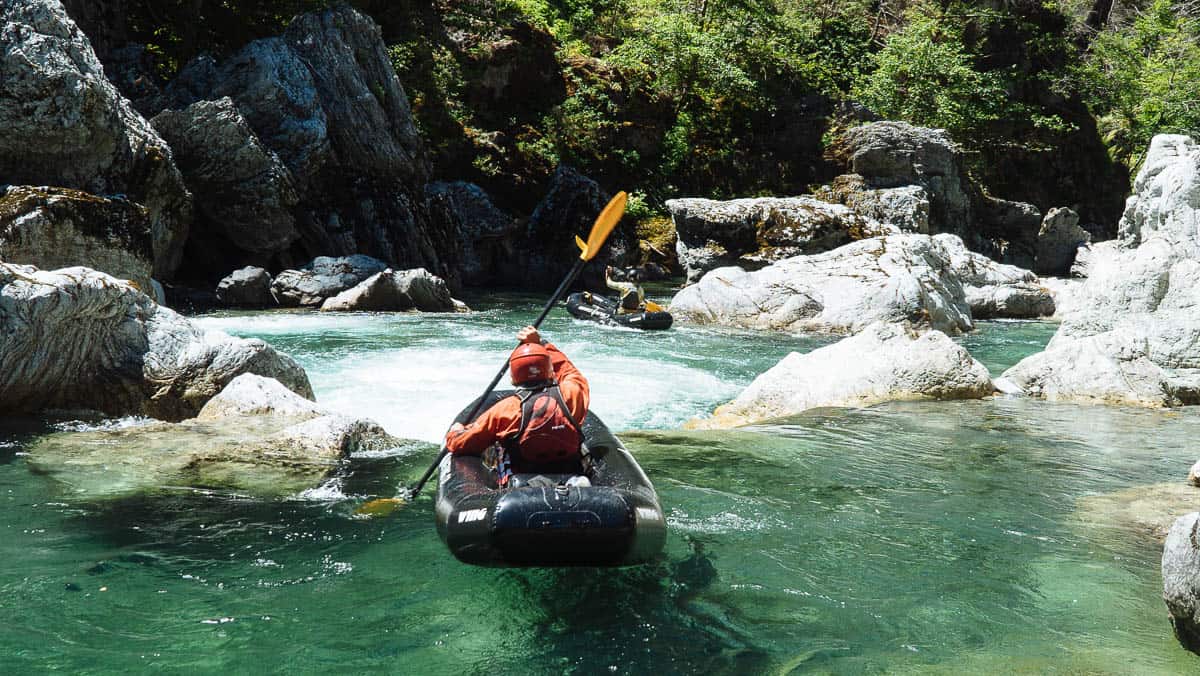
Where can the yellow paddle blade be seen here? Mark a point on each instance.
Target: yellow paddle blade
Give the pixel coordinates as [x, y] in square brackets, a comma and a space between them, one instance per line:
[580, 243]
[380, 507]
[651, 306]
[605, 222]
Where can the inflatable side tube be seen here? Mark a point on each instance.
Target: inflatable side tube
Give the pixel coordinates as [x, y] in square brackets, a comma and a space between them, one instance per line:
[616, 521]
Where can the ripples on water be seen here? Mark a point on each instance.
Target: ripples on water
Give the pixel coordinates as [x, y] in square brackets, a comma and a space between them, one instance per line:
[902, 538]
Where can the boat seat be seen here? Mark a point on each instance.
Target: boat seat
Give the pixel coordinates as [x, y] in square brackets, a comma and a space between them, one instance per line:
[547, 480]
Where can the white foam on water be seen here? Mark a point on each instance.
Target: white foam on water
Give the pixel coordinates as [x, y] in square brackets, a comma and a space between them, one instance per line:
[414, 374]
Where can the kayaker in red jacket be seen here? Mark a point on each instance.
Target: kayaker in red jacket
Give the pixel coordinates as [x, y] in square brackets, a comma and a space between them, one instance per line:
[539, 426]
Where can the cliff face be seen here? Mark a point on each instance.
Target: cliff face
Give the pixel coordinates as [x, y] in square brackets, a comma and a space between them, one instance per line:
[1048, 165]
[66, 125]
[339, 153]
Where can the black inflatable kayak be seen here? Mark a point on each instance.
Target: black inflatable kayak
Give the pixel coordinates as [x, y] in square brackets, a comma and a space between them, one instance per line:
[541, 520]
[604, 311]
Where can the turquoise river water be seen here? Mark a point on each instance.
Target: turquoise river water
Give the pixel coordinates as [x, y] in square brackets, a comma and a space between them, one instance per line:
[904, 538]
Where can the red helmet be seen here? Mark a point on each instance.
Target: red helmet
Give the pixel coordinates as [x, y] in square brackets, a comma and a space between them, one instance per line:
[530, 363]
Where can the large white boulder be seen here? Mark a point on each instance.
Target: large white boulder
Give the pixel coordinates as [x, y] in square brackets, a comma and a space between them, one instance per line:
[885, 362]
[1132, 335]
[256, 437]
[80, 339]
[930, 281]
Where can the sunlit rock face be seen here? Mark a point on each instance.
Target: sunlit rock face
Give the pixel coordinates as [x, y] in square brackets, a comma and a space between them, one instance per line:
[80, 339]
[66, 125]
[714, 233]
[53, 228]
[933, 282]
[256, 437]
[324, 277]
[1132, 335]
[395, 290]
[887, 154]
[885, 362]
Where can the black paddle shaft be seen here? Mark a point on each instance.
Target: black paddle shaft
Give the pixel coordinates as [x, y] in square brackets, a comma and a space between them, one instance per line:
[412, 492]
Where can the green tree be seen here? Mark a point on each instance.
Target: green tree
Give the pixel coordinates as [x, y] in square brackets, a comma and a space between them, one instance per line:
[1143, 79]
[925, 75]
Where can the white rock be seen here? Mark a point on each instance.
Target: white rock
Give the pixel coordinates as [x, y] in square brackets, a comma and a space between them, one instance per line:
[926, 280]
[77, 338]
[1181, 579]
[1132, 335]
[885, 362]
[250, 394]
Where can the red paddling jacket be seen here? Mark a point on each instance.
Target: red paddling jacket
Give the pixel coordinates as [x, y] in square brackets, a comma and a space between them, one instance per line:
[502, 422]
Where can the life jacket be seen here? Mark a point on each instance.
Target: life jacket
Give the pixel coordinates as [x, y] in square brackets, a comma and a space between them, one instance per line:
[548, 433]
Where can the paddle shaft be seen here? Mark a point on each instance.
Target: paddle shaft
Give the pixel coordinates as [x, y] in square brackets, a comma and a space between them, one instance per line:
[412, 492]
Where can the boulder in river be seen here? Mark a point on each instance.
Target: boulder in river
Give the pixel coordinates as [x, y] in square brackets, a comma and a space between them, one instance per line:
[53, 228]
[930, 281]
[248, 287]
[66, 125]
[393, 290]
[323, 278]
[884, 362]
[80, 339]
[256, 437]
[1133, 333]
[995, 290]
[1059, 240]
[1181, 579]
[713, 234]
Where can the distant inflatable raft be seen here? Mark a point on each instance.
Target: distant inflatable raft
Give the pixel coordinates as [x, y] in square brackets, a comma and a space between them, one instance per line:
[545, 520]
[604, 311]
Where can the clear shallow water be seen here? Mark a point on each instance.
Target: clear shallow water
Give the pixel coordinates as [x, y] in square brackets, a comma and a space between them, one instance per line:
[903, 538]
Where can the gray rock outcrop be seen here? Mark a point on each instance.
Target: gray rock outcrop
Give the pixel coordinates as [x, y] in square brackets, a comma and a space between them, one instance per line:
[905, 207]
[53, 228]
[754, 231]
[80, 339]
[1181, 579]
[546, 250]
[1058, 242]
[897, 154]
[395, 291]
[995, 290]
[244, 194]
[884, 362]
[323, 278]
[66, 125]
[324, 97]
[929, 281]
[248, 287]
[1133, 335]
[484, 232]
[255, 437]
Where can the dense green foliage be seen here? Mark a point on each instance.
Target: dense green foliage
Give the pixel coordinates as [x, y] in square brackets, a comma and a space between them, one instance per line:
[737, 97]
[1143, 78]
